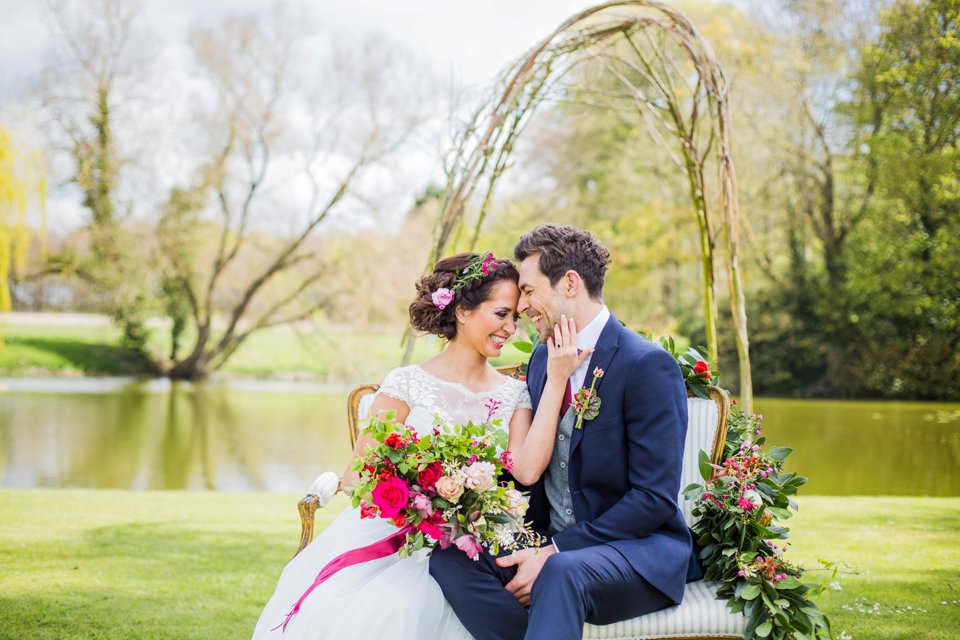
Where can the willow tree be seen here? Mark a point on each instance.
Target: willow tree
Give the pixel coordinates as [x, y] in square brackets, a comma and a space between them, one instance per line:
[667, 73]
[23, 189]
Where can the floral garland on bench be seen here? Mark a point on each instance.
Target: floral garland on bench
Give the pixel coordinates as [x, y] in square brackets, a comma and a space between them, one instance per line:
[739, 508]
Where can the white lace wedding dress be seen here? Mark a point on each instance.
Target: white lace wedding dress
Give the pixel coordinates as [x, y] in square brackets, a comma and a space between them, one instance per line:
[389, 597]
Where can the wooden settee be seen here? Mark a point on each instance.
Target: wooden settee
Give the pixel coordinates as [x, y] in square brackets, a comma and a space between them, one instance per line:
[700, 615]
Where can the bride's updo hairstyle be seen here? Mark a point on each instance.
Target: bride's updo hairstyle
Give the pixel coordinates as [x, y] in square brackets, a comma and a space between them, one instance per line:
[425, 312]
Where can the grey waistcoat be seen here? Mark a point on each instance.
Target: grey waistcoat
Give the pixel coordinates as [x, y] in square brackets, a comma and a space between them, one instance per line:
[557, 478]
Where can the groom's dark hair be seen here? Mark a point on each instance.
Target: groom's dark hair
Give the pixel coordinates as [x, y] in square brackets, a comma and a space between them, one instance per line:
[563, 249]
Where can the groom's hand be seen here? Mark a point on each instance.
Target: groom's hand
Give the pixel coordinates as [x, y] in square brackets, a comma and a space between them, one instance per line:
[529, 562]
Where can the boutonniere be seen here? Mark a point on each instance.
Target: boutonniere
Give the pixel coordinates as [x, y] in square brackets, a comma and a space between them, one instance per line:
[586, 402]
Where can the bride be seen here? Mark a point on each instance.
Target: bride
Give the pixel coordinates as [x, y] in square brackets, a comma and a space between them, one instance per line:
[471, 301]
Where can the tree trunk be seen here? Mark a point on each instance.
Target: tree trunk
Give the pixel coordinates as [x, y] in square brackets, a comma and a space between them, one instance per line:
[194, 366]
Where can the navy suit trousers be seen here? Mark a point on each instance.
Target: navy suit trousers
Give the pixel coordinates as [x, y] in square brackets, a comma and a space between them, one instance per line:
[595, 584]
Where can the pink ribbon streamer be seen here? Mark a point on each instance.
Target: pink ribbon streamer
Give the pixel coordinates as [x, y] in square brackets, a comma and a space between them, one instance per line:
[381, 549]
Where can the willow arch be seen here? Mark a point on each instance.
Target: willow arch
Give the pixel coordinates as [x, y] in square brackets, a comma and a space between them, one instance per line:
[671, 76]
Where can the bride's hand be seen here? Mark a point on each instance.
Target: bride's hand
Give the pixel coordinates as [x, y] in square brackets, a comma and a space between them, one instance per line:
[562, 356]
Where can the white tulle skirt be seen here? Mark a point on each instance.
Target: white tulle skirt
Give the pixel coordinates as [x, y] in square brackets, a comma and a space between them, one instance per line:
[389, 597]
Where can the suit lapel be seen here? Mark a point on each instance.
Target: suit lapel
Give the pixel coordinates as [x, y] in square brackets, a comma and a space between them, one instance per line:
[537, 384]
[603, 353]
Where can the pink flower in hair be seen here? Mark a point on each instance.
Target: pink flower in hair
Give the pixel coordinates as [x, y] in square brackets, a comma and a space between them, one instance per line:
[442, 297]
[489, 264]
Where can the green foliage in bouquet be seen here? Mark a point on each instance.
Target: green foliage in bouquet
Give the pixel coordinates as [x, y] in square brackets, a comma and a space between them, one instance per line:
[442, 487]
[738, 509]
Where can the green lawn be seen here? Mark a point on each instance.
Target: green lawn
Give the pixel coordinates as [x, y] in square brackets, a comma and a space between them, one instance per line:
[115, 564]
[30, 350]
[330, 353]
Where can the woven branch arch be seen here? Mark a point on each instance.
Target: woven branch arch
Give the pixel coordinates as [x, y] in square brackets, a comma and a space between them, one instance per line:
[670, 75]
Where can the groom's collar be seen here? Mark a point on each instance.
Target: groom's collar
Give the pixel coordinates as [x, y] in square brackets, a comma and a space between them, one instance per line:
[588, 336]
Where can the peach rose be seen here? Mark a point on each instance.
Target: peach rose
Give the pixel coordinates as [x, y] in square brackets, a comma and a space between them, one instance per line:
[449, 488]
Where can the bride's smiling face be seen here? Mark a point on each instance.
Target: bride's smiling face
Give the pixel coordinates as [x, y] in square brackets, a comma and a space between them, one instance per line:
[487, 326]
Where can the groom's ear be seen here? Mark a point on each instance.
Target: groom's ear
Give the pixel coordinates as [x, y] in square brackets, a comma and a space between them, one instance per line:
[570, 284]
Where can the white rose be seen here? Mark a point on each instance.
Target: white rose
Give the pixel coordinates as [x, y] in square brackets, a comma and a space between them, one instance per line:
[480, 476]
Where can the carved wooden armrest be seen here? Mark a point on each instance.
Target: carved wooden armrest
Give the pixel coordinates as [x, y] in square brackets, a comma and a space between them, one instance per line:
[321, 491]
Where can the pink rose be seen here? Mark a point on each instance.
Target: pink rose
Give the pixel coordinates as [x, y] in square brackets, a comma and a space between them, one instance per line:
[442, 297]
[449, 489]
[469, 546]
[391, 496]
[429, 476]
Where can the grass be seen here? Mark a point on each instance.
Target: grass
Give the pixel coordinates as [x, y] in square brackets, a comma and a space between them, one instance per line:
[329, 353]
[115, 564]
[908, 554]
[65, 350]
[106, 564]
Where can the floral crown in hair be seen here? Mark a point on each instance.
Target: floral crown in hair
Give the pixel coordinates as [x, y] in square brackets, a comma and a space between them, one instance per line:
[476, 269]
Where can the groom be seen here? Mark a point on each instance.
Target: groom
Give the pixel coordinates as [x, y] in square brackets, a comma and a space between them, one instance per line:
[618, 546]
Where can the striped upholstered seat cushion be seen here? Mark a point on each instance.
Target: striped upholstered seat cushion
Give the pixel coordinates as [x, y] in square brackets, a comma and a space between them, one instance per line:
[700, 615]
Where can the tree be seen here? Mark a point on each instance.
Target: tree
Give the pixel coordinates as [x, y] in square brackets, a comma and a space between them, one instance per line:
[814, 190]
[286, 134]
[854, 302]
[906, 296]
[102, 61]
[23, 187]
[235, 258]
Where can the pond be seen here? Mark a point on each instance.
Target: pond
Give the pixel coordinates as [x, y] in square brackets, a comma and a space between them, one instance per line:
[119, 433]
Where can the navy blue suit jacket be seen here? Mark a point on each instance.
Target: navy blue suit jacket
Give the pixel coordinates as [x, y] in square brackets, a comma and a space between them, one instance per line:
[624, 468]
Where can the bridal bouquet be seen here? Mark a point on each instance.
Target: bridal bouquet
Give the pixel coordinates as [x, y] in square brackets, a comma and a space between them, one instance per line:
[442, 488]
[438, 489]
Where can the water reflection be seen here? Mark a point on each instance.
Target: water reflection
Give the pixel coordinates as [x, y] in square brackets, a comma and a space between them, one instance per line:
[251, 436]
[141, 435]
[869, 448]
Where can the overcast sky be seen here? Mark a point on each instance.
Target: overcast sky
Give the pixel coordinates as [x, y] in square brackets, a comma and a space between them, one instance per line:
[465, 44]
[471, 41]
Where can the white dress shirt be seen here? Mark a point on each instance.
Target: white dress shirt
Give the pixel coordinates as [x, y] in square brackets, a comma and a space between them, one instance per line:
[587, 339]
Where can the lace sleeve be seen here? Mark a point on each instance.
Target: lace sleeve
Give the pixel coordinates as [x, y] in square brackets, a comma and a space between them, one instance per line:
[523, 398]
[397, 385]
